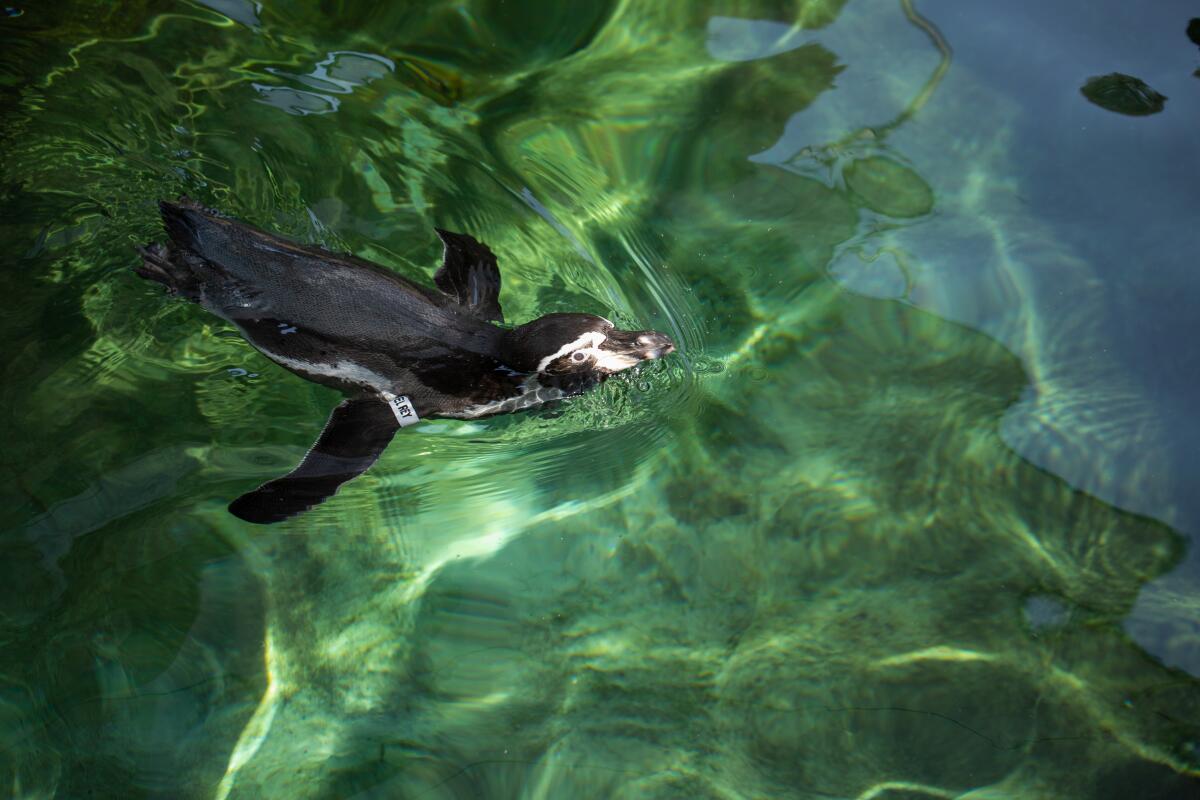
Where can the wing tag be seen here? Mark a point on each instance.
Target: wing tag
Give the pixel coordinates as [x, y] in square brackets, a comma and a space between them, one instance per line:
[403, 409]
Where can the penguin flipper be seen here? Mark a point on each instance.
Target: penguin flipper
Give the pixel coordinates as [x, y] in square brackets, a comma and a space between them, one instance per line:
[356, 434]
[469, 275]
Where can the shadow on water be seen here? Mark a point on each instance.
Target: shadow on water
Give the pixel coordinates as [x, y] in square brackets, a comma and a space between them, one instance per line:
[801, 560]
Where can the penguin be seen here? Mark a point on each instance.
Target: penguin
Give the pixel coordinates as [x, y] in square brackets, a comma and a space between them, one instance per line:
[400, 352]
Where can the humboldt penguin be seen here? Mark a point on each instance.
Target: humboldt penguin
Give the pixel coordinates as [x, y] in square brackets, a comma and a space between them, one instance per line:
[399, 351]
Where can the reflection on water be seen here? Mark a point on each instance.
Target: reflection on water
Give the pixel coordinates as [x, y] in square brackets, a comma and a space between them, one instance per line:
[339, 73]
[852, 542]
[241, 11]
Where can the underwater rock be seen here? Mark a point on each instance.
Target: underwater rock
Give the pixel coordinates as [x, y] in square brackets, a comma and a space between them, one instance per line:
[889, 188]
[1193, 33]
[1123, 94]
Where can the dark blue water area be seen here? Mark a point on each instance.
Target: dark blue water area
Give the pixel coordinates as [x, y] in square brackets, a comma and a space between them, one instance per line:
[1121, 191]
[1065, 229]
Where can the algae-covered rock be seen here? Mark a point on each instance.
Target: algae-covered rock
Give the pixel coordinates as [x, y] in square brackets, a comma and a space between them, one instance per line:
[1123, 94]
[888, 187]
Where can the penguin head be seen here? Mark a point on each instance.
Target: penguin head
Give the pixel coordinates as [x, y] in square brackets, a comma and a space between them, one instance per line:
[574, 351]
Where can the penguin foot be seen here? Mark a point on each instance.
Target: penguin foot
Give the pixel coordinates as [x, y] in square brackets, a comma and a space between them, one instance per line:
[159, 266]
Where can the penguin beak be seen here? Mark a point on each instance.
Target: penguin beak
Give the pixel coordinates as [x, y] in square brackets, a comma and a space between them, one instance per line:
[624, 349]
[654, 344]
[639, 345]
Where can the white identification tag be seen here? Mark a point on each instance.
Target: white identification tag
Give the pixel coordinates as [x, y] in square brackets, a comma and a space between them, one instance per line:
[402, 407]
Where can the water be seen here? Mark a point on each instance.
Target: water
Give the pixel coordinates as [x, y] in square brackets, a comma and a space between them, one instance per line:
[909, 516]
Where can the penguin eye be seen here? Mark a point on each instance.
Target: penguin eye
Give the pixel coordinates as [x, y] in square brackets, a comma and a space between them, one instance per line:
[579, 357]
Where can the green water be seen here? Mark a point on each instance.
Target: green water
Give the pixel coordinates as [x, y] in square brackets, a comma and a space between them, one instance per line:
[909, 516]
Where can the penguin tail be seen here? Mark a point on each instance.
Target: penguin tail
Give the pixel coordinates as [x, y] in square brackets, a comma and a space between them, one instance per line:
[178, 220]
[179, 265]
[187, 221]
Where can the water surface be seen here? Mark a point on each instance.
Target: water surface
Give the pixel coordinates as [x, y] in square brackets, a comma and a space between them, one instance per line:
[909, 516]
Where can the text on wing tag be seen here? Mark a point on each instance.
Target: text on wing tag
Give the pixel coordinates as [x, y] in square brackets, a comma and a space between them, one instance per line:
[402, 407]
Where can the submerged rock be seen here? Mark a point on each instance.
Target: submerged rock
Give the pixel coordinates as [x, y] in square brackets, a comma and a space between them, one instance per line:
[1123, 94]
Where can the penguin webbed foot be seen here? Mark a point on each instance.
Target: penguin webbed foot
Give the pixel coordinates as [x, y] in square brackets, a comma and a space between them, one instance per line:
[152, 267]
[168, 267]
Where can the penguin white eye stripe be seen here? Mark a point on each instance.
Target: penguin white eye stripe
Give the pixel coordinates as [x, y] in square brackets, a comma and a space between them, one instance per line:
[590, 339]
[613, 362]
